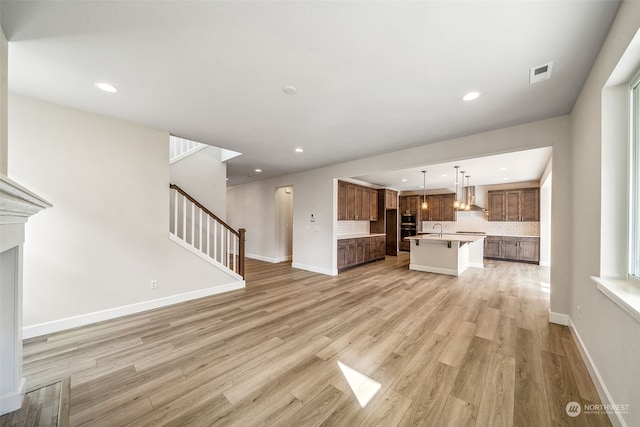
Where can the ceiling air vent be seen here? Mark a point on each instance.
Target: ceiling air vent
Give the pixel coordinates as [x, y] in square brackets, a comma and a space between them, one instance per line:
[540, 73]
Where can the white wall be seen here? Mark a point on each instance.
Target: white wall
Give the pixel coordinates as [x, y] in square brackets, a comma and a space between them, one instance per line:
[252, 205]
[202, 175]
[599, 158]
[4, 65]
[545, 219]
[106, 236]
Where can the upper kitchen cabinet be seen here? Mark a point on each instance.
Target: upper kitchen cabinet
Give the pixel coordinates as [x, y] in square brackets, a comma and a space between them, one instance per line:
[439, 208]
[356, 202]
[390, 199]
[517, 205]
[409, 204]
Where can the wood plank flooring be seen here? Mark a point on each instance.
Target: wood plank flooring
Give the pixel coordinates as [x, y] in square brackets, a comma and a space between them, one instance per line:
[476, 350]
[44, 407]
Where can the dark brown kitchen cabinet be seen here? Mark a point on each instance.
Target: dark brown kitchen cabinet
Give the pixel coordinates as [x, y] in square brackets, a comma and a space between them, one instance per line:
[497, 206]
[356, 202]
[530, 204]
[352, 252]
[439, 208]
[493, 247]
[409, 204]
[517, 205]
[390, 199]
[373, 205]
[512, 248]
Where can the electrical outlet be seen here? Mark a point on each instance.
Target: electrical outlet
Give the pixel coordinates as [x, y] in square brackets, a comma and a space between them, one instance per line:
[579, 312]
[154, 284]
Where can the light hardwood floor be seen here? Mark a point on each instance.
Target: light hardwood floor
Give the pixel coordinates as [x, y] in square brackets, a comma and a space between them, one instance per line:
[474, 350]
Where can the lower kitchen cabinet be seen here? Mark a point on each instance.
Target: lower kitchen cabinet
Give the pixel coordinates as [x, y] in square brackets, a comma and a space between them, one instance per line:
[512, 248]
[356, 251]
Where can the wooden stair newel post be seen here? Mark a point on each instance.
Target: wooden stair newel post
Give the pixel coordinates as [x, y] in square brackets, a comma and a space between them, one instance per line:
[241, 238]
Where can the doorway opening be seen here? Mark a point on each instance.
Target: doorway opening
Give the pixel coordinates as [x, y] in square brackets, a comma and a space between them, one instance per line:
[284, 224]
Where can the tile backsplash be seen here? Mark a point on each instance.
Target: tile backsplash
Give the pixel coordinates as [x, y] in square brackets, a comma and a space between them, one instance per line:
[476, 221]
[352, 227]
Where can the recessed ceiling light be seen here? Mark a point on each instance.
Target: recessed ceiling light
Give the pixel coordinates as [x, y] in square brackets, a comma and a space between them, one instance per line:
[258, 170]
[503, 169]
[299, 150]
[444, 175]
[106, 87]
[290, 90]
[404, 179]
[471, 96]
[506, 178]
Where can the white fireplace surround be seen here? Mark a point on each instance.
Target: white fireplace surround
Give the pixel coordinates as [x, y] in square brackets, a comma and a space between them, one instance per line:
[17, 204]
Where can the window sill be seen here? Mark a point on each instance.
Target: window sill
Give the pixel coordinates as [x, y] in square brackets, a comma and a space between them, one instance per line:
[624, 293]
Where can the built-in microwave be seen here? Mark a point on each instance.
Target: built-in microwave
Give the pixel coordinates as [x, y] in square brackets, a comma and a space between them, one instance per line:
[408, 219]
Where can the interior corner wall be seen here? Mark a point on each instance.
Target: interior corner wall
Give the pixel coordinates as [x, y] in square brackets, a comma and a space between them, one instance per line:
[609, 335]
[106, 236]
[203, 176]
[4, 71]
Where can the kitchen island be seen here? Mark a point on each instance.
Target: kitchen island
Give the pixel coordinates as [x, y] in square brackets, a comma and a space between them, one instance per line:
[448, 254]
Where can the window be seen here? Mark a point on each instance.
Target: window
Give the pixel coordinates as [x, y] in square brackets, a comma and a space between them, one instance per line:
[634, 243]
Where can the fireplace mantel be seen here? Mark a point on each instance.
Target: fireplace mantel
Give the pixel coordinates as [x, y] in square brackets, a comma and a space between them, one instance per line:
[17, 204]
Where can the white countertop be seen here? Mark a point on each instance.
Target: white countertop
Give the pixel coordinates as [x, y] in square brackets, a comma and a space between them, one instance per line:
[449, 237]
[359, 235]
[512, 235]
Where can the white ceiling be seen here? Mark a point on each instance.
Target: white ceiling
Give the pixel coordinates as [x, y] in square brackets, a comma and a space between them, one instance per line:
[506, 168]
[371, 77]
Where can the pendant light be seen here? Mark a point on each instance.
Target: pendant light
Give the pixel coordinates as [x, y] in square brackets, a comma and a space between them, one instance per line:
[424, 190]
[469, 201]
[463, 205]
[456, 202]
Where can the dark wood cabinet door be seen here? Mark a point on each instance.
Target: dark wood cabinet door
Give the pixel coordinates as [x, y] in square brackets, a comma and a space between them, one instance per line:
[512, 201]
[351, 253]
[414, 202]
[434, 208]
[492, 247]
[363, 201]
[362, 251]
[448, 213]
[342, 200]
[391, 199]
[404, 204]
[529, 249]
[496, 205]
[351, 202]
[373, 205]
[509, 248]
[342, 256]
[530, 204]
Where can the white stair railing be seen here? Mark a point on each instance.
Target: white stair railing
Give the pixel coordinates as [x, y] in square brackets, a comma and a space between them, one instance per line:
[204, 232]
[179, 148]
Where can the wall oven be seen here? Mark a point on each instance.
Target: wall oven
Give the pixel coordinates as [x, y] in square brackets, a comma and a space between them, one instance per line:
[407, 226]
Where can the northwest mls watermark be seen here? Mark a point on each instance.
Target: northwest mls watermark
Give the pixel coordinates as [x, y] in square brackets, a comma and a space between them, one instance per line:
[573, 409]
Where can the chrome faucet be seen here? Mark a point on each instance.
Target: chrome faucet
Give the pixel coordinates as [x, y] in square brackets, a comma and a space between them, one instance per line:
[434, 227]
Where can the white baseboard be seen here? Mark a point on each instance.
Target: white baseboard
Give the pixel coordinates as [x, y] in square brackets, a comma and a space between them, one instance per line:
[615, 417]
[12, 401]
[314, 269]
[476, 264]
[559, 318]
[437, 270]
[112, 313]
[268, 259]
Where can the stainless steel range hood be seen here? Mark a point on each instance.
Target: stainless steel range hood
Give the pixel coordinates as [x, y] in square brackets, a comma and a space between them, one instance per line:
[469, 194]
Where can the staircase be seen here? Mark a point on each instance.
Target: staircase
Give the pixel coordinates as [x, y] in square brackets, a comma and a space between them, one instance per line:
[196, 228]
[179, 148]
